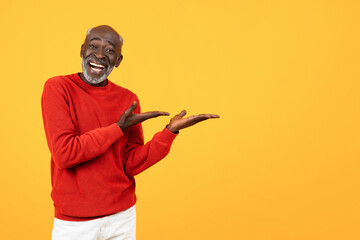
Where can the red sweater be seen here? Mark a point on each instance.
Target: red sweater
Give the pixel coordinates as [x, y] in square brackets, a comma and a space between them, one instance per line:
[93, 163]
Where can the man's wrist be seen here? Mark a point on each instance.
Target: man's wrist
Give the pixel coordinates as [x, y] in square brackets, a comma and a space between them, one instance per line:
[121, 127]
[172, 130]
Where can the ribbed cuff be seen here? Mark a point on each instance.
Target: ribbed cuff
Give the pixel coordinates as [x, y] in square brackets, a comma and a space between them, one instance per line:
[116, 130]
[167, 136]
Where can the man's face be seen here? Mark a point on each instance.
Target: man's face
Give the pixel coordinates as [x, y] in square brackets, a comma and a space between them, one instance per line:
[100, 53]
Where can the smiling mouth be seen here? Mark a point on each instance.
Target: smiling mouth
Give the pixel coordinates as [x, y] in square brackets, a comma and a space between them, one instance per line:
[96, 67]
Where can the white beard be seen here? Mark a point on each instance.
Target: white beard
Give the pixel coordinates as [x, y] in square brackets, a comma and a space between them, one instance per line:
[92, 80]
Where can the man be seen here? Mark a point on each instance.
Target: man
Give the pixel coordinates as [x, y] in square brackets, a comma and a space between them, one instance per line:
[93, 129]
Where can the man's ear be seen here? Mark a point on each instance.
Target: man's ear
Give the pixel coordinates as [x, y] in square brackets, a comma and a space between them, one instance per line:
[118, 60]
[82, 51]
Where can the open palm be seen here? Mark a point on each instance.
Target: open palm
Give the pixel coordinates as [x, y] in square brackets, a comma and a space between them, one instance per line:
[179, 122]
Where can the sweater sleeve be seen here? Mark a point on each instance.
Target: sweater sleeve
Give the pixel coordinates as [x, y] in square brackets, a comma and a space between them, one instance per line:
[68, 149]
[138, 157]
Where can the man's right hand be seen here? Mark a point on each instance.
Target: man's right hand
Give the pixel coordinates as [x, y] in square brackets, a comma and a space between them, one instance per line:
[128, 118]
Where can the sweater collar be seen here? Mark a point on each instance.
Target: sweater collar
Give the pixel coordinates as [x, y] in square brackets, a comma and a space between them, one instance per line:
[89, 88]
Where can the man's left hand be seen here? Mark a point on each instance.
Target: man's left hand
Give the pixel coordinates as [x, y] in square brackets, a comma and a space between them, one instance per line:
[178, 122]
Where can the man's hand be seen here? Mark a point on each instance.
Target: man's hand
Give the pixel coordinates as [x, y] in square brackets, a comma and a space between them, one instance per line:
[178, 122]
[128, 118]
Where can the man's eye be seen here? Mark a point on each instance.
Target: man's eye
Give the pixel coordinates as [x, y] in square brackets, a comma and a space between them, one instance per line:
[92, 46]
[110, 50]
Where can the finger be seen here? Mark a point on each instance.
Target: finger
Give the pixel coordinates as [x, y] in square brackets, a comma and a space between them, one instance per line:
[156, 114]
[197, 118]
[182, 113]
[163, 113]
[148, 115]
[131, 109]
[205, 116]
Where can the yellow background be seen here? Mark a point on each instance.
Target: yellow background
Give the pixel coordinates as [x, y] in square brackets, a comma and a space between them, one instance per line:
[282, 162]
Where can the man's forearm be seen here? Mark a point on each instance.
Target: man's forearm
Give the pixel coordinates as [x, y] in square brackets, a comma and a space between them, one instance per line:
[139, 157]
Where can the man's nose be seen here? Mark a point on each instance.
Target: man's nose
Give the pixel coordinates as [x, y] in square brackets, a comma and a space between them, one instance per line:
[99, 53]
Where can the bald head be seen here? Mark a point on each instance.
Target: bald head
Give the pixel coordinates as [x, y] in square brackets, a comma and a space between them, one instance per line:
[106, 28]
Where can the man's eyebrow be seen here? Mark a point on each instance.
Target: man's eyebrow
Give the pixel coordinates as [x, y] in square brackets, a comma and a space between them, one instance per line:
[95, 38]
[111, 43]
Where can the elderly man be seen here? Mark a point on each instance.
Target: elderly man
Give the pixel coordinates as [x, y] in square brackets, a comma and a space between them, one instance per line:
[93, 129]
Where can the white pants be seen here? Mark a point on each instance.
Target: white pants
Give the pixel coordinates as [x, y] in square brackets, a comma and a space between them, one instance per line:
[118, 226]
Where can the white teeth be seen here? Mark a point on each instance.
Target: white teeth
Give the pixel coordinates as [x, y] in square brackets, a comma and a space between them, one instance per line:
[96, 69]
[97, 65]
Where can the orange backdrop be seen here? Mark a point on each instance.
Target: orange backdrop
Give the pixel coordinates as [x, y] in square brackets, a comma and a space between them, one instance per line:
[282, 162]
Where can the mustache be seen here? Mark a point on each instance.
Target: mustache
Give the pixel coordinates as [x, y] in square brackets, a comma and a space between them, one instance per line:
[95, 59]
